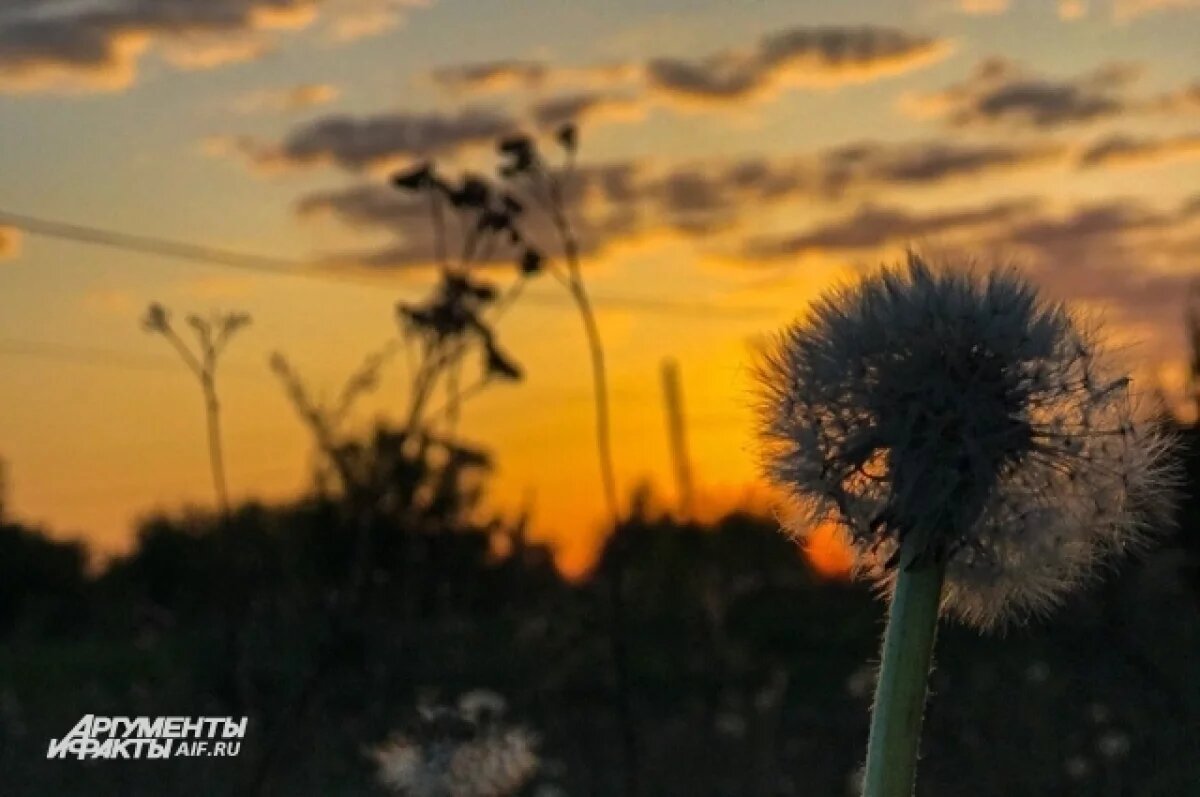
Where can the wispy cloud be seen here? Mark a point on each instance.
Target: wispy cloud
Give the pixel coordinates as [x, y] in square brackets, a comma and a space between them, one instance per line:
[1131, 9]
[491, 76]
[351, 20]
[369, 142]
[798, 57]
[1125, 254]
[10, 242]
[705, 202]
[1071, 10]
[982, 7]
[1135, 259]
[600, 198]
[874, 226]
[586, 107]
[59, 44]
[790, 58]
[1182, 101]
[1000, 93]
[286, 100]
[1130, 151]
[1121, 10]
[518, 74]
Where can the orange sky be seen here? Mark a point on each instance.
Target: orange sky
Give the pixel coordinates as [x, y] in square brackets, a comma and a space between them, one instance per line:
[742, 161]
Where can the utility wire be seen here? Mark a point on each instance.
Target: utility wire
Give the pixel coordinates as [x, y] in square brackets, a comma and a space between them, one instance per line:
[85, 355]
[155, 246]
[92, 355]
[275, 266]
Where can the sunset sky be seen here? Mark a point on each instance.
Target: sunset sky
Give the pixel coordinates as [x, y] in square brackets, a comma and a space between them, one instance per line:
[736, 158]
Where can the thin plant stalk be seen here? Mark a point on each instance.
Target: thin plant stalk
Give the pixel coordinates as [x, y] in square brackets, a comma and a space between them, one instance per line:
[216, 455]
[583, 303]
[212, 336]
[578, 291]
[903, 682]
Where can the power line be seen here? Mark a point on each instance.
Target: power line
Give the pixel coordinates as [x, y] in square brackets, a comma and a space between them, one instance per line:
[150, 245]
[90, 355]
[96, 356]
[276, 266]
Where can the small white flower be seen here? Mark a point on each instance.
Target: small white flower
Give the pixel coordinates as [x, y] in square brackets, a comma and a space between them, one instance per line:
[1037, 673]
[862, 681]
[1098, 713]
[457, 753]
[1113, 744]
[1077, 767]
[954, 417]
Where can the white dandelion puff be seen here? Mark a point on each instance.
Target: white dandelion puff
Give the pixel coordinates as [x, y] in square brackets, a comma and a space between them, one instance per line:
[464, 752]
[958, 418]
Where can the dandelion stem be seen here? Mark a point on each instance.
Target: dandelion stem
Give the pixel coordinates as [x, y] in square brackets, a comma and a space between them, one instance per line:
[903, 676]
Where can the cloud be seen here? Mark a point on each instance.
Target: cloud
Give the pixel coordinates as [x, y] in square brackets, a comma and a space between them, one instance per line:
[1134, 260]
[874, 226]
[705, 196]
[585, 107]
[1181, 102]
[10, 242]
[99, 44]
[600, 198]
[1138, 260]
[999, 93]
[1126, 10]
[870, 165]
[1070, 10]
[983, 7]
[286, 100]
[706, 202]
[796, 57]
[513, 74]
[1116, 151]
[372, 142]
[492, 76]
[351, 20]
[380, 141]
[803, 56]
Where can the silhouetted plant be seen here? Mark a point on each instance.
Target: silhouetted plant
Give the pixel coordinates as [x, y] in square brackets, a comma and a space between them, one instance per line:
[523, 163]
[408, 480]
[212, 334]
[461, 313]
[3, 489]
[531, 179]
[410, 475]
[443, 330]
[1192, 328]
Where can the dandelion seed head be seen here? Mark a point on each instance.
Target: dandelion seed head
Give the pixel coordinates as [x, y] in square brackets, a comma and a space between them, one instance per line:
[958, 417]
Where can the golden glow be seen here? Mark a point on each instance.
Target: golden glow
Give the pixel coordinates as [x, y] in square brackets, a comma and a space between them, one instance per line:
[828, 552]
[95, 441]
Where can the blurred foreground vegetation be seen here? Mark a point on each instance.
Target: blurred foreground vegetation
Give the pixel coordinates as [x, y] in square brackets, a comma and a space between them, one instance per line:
[328, 620]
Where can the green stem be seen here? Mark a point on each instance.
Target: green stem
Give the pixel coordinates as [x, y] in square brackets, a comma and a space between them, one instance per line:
[903, 676]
